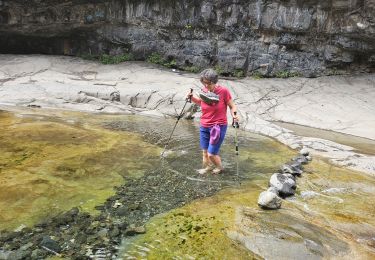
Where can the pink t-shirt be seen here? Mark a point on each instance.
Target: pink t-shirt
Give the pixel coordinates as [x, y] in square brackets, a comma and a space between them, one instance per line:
[216, 113]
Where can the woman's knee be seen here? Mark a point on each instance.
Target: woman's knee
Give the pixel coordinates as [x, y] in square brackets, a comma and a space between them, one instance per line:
[211, 156]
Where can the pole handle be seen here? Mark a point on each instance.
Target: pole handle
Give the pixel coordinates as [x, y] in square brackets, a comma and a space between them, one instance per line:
[235, 124]
[188, 99]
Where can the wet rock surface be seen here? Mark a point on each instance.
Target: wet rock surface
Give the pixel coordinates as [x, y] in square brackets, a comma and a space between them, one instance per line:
[286, 235]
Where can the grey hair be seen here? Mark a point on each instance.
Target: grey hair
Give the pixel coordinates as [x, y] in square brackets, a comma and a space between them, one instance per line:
[210, 75]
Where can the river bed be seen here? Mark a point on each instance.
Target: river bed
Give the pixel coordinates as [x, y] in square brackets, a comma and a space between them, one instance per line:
[52, 161]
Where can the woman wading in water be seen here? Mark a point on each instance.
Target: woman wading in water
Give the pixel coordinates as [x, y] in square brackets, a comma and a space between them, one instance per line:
[214, 101]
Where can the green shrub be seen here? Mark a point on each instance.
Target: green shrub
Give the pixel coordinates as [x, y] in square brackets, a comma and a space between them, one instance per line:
[219, 69]
[286, 74]
[192, 69]
[239, 73]
[109, 59]
[156, 58]
[170, 64]
[257, 75]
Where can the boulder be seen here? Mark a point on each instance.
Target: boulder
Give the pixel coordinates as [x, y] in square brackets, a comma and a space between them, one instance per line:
[300, 159]
[293, 169]
[284, 183]
[269, 199]
[304, 152]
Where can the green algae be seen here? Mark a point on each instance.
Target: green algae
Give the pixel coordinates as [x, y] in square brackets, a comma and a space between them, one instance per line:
[343, 203]
[49, 166]
[229, 225]
[199, 229]
[219, 227]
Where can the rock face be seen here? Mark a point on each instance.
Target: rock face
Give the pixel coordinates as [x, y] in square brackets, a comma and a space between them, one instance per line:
[271, 37]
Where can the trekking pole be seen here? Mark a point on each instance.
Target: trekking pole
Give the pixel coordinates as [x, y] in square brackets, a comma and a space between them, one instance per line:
[236, 126]
[188, 99]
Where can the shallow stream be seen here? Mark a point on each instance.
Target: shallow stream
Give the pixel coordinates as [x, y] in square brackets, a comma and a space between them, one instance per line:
[51, 161]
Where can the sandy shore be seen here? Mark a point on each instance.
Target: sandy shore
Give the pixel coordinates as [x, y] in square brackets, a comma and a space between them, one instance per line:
[341, 103]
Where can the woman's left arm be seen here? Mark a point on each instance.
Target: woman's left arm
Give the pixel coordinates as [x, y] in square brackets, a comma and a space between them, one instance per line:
[233, 108]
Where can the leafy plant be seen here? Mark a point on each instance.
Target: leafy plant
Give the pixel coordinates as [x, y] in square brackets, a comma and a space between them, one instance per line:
[109, 59]
[170, 64]
[239, 73]
[219, 69]
[192, 69]
[155, 58]
[257, 75]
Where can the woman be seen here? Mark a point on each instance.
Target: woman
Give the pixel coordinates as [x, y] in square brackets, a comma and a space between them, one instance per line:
[214, 117]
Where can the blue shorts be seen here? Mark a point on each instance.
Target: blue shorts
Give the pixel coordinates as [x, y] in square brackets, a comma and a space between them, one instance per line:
[205, 139]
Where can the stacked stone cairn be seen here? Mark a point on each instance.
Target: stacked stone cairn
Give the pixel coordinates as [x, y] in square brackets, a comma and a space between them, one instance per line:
[283, 183]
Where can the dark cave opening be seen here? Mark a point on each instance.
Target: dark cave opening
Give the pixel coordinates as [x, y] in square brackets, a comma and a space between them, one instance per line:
[4, 17]
[22, 44]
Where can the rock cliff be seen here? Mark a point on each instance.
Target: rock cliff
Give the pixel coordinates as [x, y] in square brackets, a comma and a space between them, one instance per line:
[271, 37]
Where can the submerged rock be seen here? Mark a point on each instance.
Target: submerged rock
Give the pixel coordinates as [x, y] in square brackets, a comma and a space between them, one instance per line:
[4, 254]
[336, 190]
[309, 194]
[51, 244]
[18, 255]
[134, 230]
[269, 199]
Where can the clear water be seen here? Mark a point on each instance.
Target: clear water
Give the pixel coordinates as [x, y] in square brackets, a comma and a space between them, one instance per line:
[51, 161]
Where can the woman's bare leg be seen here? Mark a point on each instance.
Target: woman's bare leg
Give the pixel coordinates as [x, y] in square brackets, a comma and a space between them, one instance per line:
[216, 160]
[207, 165]
[206, 161]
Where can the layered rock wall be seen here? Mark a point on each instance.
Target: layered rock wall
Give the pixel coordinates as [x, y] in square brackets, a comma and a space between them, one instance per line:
[312, 37]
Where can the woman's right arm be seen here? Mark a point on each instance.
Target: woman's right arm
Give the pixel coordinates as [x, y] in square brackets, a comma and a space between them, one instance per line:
[194, 98]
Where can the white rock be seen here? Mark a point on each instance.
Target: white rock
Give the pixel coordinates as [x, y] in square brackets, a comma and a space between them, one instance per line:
[269, 200]
[284, 183]
[304, 152]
